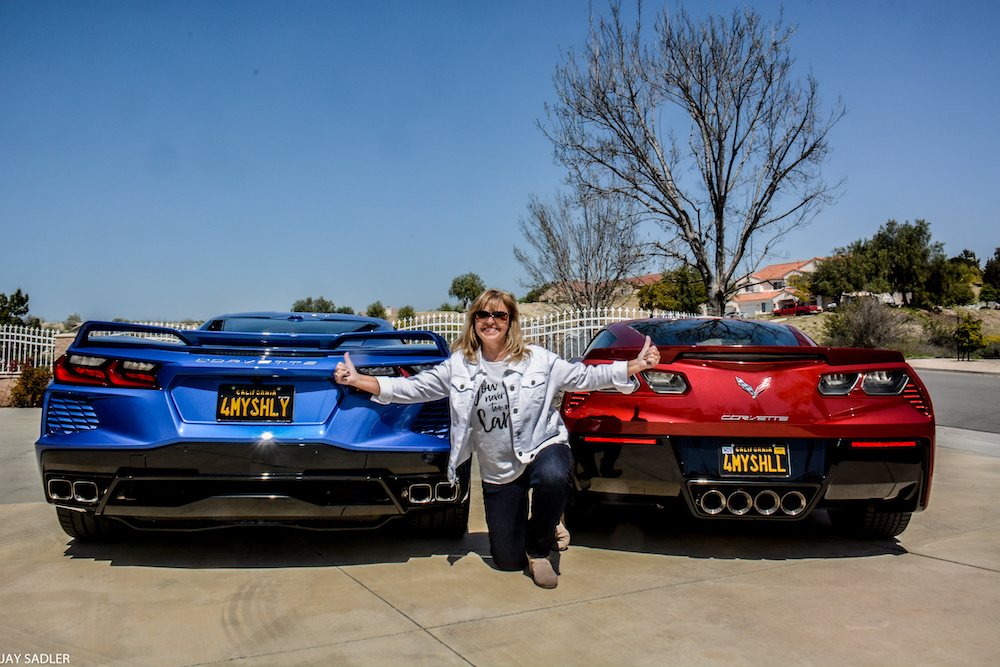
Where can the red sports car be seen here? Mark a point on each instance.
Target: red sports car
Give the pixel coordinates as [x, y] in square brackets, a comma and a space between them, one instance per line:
[752, 420]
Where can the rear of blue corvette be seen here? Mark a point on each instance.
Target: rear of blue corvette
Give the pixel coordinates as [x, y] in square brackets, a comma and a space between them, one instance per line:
[241, 423]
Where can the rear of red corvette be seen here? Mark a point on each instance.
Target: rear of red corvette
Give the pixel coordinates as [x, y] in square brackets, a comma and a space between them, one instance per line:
[758, 432]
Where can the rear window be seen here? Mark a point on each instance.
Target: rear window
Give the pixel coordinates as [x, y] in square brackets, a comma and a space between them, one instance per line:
[716, 332]
[267, 325]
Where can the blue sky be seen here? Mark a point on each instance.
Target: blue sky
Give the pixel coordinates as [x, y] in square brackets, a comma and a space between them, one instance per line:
[178, 160]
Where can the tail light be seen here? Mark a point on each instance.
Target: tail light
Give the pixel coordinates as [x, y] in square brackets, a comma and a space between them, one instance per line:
[83, 369]
[574, 400]
[884, 383]
[837, 384]
[394, 371]
[916, 398]
[873, 383]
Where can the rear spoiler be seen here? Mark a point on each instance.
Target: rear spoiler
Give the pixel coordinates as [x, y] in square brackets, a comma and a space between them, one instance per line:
[124, 334]
[835, 356]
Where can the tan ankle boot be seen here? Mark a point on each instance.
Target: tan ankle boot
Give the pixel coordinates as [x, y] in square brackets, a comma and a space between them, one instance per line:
[542, 572]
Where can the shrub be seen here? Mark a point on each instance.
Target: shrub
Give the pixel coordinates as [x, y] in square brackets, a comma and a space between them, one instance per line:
[30, 387]
[939, 332]
[992, 348]
[864, 323]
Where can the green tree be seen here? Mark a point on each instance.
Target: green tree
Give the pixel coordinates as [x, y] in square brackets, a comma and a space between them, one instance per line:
[680, 290]
[376, 310]
[406, 313]
[969, 336]
[906, 251]
[72, 322]
[310, 305]
[949, 282]
[345, 310]
[989, 293]
[991, 272]
[534, 295]
[13, 308]
[703, 127]
[465, 288]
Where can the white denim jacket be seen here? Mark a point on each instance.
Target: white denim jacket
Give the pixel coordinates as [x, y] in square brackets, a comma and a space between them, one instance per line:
[531, 386]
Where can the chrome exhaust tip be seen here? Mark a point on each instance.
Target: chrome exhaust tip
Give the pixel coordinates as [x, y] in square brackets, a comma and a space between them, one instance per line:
[793, 503]
[712, 502]
[446, 492]
[85, 492]
[420, 494]
[60, 489]
[740, 503]
[766, 502]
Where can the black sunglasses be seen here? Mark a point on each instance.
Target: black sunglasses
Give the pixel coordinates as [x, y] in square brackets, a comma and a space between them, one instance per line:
[498, 315]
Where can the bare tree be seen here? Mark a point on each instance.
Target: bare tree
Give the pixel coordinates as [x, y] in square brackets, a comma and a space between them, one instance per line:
[756, 139]
[583, 250]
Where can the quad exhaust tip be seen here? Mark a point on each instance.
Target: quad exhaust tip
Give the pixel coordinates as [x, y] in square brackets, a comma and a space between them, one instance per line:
[739, 503]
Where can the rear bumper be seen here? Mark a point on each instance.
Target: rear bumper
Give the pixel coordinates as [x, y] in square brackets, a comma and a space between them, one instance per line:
[825, 474]
[203, 485]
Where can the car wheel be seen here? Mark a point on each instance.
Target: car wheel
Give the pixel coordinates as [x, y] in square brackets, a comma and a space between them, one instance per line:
[86, 527]
[449, 522]
[869, 523]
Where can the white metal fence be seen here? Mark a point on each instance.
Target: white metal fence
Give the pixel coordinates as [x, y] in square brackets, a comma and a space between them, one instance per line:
[567, 333]
[20, 344]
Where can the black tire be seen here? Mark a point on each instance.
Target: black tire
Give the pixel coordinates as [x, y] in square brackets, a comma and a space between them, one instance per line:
[450, 522]
[86, 527]
[868, 523]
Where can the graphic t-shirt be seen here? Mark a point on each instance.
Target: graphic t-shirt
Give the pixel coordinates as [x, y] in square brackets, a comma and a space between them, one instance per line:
[491, 429]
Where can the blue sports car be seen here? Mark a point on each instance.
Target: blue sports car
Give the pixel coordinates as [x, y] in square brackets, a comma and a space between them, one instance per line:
[240, 422]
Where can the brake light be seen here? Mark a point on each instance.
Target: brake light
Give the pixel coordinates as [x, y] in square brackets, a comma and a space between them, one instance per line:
[865, 444]
[80, 369]
[619, 440]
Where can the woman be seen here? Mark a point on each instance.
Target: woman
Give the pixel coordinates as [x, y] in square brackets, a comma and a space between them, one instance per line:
[501, 393]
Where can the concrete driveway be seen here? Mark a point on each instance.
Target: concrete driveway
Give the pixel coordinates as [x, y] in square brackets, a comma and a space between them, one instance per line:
[656, 589]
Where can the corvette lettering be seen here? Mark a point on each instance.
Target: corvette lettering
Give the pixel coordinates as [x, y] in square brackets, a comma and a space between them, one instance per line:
[291, 362]
[754, 418]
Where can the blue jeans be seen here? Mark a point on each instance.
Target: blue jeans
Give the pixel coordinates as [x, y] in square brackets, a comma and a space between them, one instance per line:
[512, 535]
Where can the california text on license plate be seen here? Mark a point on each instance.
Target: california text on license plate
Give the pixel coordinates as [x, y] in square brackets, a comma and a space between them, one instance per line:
[255, 403]
[753, 461]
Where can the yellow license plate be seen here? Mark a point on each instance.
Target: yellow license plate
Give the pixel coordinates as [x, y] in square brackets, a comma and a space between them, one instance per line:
[754, 461]
[255, 403]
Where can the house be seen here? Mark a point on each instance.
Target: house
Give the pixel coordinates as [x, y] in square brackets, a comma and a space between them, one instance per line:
[768, 288]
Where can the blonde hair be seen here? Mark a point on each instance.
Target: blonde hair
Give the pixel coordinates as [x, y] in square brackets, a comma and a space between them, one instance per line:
[468, 343]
